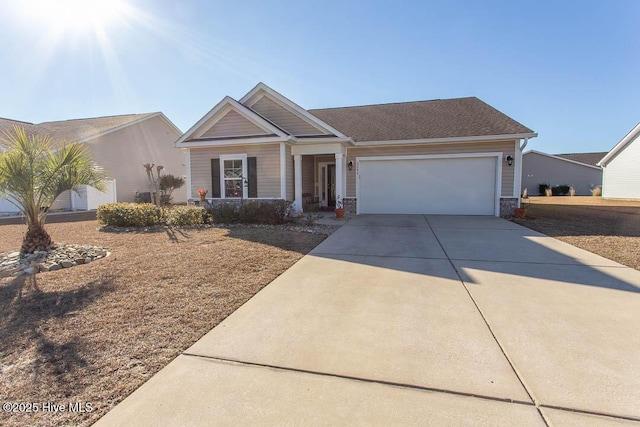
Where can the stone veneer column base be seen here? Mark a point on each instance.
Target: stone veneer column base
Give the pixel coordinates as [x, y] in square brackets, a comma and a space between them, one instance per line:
[507, 205]
[350, 205]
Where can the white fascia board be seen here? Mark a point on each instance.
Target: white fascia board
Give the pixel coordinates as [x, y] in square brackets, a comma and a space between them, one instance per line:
[633, 134]
[448, 140]
[117, 128]
[228, 142]
[223, 107]
[250, 99]
[344, 141]
[562, 158]
[318, 149]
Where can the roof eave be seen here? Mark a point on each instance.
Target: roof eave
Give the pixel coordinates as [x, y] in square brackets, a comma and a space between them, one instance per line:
[633, 134]
[481, 138]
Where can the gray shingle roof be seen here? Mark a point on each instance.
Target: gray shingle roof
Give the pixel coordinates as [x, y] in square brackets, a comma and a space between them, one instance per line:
[76, 129]
[588, 158]
[441, 118]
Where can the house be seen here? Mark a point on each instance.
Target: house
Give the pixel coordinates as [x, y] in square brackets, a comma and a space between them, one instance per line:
[621, 170]
[451, 156]
[577, 170]
[120, 145]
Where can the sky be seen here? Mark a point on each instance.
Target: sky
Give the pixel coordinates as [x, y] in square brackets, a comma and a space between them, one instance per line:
[566, 69]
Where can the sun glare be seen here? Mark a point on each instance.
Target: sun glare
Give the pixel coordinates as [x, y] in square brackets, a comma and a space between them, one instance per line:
[75, 16]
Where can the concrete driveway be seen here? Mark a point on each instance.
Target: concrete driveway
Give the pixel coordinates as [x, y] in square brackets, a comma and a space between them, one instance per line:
[415, 319]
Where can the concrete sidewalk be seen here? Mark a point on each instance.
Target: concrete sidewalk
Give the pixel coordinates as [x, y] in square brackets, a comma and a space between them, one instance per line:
[417, 319]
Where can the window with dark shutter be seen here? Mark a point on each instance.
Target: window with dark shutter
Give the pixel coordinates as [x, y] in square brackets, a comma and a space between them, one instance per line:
[215, 178]
[252, 171]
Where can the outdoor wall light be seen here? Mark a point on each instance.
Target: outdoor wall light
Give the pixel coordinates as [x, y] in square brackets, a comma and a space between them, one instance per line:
[350, 165]
[509, 160]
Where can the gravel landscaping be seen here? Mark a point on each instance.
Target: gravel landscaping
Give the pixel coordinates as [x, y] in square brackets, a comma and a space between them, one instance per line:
[607, 228]
[95, 332]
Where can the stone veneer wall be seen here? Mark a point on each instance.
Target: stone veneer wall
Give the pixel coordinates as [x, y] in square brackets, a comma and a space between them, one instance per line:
[507, 205]
[350, 205]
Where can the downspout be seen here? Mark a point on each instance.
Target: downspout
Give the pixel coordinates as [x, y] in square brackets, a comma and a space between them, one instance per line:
[519, 169]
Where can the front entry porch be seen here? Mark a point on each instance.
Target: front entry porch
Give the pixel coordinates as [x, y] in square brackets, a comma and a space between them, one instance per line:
[319, 175]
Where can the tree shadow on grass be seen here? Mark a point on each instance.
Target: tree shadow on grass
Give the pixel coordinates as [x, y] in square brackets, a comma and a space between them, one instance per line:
[24, 311]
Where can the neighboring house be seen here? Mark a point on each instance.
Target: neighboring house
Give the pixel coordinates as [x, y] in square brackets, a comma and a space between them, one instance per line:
[453, 156]
[578, 170]
[120, 145]
[621, 166]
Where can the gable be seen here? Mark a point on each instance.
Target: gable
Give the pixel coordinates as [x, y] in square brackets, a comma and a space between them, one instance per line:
[231, 124]
[285, 118]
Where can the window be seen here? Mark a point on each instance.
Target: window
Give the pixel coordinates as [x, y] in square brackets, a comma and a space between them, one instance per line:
[233, 178]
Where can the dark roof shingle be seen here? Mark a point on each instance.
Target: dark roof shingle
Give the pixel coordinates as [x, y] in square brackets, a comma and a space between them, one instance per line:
[588, 158]
[73, 130]
[441, 118]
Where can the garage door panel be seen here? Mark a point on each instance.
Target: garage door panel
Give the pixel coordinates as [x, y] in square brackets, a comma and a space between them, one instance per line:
[428, 186]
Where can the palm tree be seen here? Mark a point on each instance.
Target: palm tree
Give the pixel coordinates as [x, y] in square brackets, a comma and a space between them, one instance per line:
[34, 171]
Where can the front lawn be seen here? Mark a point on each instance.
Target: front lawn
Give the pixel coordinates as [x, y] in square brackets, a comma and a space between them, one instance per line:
[610, 228]
[96, 332]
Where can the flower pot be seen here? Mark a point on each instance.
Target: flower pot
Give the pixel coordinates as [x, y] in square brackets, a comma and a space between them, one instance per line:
[519, 212]
[339, 213]
[202, 198]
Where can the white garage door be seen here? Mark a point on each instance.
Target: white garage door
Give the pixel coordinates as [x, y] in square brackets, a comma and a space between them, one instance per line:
[453, 185]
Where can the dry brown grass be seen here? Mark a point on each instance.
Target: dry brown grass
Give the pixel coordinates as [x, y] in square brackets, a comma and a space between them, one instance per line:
[95, 333]
[607, 228]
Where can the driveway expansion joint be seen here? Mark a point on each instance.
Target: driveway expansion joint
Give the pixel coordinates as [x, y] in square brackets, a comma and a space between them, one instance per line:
[360, 379]
[484, 319]
[589, 412]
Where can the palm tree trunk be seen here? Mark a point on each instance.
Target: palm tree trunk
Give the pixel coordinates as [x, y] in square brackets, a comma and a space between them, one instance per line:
[36, 238]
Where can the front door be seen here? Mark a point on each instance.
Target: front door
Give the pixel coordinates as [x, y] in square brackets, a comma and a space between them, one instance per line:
[331, 185]
[327, 184]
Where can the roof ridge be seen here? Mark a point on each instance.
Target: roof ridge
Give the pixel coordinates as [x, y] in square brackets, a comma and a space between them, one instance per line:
[396, 103]
[18, 121]
[98, 117]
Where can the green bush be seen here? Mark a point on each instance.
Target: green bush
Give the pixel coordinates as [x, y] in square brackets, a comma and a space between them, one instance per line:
[542, 188]
[178, 216]
[221, 213]
[560, 190]
[130, 214]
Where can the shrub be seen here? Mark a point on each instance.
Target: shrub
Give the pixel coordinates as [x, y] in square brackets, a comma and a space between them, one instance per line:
[177, 216]
[596, 191]
[168, 183]
[542, 188]
[130, 214]
[560, 190]
[221, 213]
[271, 212]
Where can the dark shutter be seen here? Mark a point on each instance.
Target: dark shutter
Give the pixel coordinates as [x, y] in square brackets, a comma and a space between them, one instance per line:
[253, 177]
[215, 178]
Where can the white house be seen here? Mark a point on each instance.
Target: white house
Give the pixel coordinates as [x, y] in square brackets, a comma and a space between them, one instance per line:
[621, 168]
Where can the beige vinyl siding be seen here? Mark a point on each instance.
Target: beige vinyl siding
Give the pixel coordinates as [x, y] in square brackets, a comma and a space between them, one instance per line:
[505, 147]
[290, 172]
[267, 162]
[122, 154]
[622, 174]
[284, 118]
[233, 124]
[308, 175]
[62, 202]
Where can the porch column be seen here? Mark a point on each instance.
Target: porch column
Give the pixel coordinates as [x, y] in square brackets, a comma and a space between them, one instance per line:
[340, 190]
[297, 177]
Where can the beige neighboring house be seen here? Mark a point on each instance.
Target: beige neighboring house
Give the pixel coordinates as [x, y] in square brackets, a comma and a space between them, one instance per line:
[451, 156]
[120, 145]
[621, 168]
[577, 170]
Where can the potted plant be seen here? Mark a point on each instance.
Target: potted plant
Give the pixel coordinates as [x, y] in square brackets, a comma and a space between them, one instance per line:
[203, 194]
[521, 211]
[339, 208]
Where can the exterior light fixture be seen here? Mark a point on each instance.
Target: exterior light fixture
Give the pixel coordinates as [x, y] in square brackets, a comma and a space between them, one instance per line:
[350, 165]
[509, 160]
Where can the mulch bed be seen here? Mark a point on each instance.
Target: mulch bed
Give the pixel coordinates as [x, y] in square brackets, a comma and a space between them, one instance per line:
[96, 332]
[610, 230]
